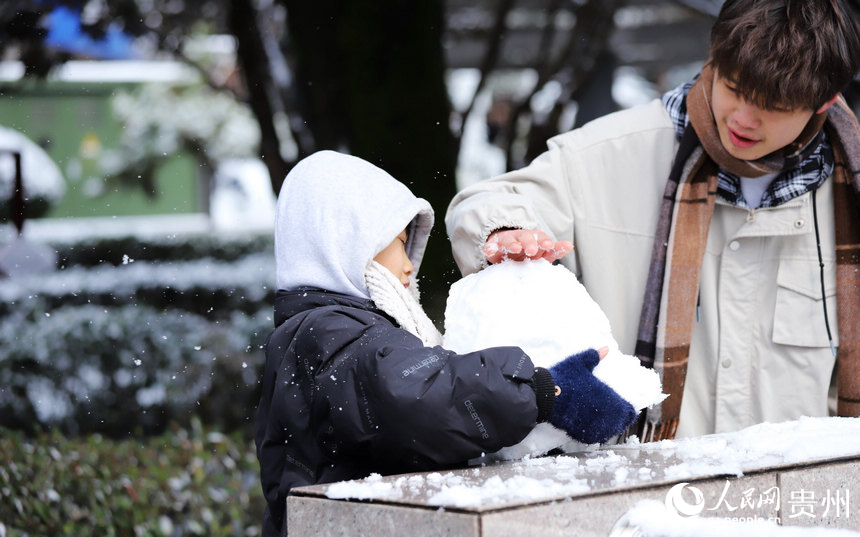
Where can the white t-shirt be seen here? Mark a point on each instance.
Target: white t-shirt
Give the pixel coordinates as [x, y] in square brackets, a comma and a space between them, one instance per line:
[753, 188]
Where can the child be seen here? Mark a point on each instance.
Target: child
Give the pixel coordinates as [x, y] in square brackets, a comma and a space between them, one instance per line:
[355, 382]
[730, 206]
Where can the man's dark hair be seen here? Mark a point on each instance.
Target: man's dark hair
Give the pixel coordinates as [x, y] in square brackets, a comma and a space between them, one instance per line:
[786, 54]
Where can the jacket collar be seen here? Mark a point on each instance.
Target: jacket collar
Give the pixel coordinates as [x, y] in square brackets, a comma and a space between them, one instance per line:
[293, 302]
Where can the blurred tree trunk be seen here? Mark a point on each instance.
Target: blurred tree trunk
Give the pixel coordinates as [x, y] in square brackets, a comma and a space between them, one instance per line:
[263, 95]
[370, 78]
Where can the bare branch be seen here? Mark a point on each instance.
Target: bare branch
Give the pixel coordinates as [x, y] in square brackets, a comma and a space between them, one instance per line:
[578, 57]
[490, 59]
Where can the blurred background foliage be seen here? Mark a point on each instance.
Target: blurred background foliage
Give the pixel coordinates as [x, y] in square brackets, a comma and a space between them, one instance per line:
[373, 77]
[129, 379]
[134, 334]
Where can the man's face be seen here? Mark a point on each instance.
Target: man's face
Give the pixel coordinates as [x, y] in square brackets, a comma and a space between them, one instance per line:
[749, 132]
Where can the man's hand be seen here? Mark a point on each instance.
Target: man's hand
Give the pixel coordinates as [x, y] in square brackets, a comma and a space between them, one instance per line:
[522, 244]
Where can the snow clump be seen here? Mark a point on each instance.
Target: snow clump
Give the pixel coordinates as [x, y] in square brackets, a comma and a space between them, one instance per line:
[543, 309]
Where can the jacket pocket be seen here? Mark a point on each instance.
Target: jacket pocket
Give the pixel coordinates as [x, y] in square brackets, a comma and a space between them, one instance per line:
[799, 312]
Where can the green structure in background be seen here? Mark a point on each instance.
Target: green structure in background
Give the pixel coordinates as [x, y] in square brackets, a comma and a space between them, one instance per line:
[73, 122]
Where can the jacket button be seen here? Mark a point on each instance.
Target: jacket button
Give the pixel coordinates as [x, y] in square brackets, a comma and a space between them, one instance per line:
[727, 363]
[734, 245]
[799, 223]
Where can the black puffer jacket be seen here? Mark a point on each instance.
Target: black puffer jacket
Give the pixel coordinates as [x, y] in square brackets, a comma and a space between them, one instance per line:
[347, 393]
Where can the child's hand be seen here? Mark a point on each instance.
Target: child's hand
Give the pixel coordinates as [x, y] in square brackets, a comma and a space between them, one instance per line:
[522, 244]
[586, 408]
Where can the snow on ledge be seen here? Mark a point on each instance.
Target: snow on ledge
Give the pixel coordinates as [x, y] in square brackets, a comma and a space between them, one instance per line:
[618, 467]
[762, 446]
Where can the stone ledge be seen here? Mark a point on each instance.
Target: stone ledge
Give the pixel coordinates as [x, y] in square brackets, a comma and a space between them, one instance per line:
[807, 468]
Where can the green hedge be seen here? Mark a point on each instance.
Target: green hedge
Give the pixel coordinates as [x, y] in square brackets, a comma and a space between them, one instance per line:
[132, 347]
[109, 367]
[129, 368]
[182, 483]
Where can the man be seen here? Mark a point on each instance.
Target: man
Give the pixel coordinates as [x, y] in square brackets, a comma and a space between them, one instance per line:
[713, 225]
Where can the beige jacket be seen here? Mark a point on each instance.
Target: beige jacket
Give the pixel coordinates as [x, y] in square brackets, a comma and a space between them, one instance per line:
[759, 351]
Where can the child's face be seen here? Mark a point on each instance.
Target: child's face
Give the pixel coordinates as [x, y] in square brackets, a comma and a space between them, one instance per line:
[394, 258]
[749, 132]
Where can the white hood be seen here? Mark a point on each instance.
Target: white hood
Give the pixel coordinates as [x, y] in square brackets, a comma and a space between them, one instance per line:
[335, 213]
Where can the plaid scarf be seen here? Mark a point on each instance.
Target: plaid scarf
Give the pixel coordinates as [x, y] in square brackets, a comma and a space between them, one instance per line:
[666, 325]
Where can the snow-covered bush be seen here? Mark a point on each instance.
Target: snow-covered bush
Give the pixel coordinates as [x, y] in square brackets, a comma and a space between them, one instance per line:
[128, 368]
[137, 345]
[204, 286]
[94, 251]
[160, 120]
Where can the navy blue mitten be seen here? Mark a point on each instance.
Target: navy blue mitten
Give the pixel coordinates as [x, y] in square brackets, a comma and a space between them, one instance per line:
[587, 409]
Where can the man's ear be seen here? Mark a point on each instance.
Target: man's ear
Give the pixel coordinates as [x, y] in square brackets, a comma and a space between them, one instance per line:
[827, 105]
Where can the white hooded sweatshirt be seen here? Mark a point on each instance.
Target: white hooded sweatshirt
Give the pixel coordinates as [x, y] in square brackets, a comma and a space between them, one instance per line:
[335, 213]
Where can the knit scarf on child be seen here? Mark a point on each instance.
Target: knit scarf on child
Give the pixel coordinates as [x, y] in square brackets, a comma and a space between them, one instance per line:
[401, 303]
[671, 292]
